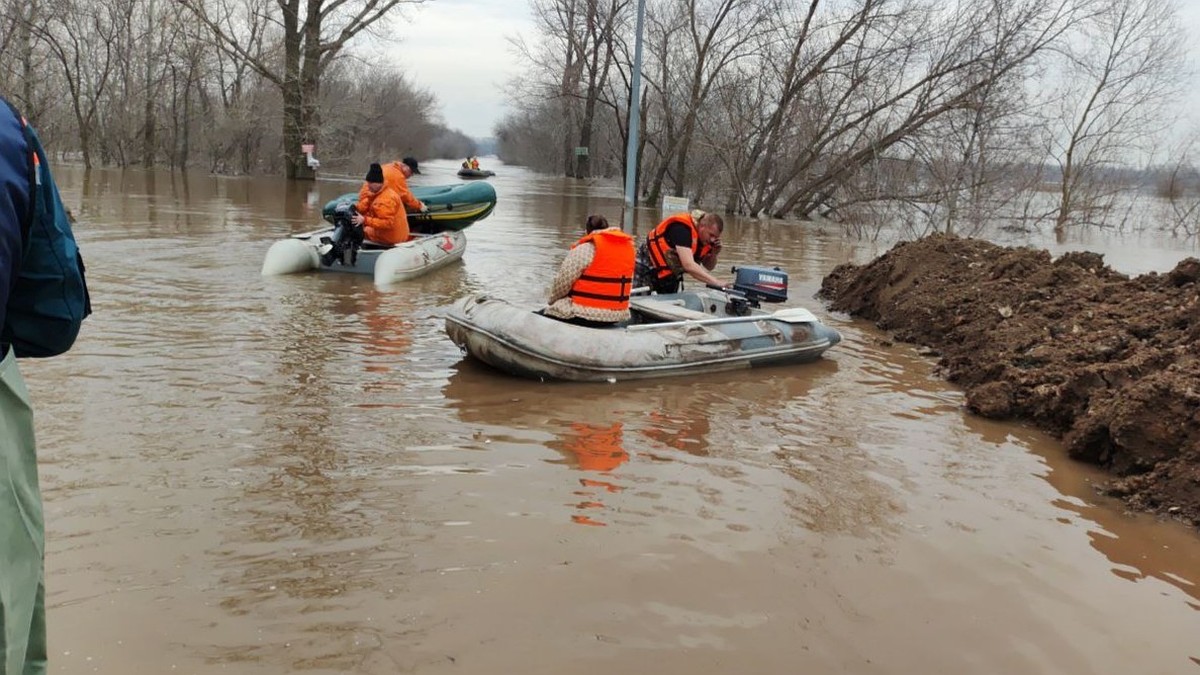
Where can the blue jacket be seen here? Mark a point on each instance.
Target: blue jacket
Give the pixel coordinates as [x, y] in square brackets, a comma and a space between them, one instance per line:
[14, 199]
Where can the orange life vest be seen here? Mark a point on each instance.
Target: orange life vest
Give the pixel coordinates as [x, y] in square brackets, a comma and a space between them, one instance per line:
[662, 253]
[606, 283]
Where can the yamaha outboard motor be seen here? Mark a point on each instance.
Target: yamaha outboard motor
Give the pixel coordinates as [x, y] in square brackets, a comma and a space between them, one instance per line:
[754, 285]
[343, 243]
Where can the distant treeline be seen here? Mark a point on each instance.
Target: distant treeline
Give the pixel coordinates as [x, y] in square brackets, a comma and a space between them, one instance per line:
[958, 110]
[232, 88]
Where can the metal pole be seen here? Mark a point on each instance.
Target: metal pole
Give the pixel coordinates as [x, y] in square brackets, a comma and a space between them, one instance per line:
[635, 103]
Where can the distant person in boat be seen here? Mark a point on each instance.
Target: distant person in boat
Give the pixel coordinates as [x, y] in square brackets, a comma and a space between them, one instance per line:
[475, 163]
[380, 210]
[593, 282]
[467, 163]
[685, 243]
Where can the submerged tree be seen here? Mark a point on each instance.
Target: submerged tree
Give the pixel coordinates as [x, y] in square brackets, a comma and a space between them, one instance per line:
[571, 67]
[787, 108]
[1119, 75]
[312, 34]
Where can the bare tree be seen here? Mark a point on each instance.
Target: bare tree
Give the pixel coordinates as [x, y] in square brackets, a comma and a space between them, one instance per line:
[83, 40]
[560, 60]
[379, 114]
[908, 68]
[314, 33]
[1179, 189]
[573, 62]
[19, 59]
[598, 50]
[715, 34]
[1120, 72]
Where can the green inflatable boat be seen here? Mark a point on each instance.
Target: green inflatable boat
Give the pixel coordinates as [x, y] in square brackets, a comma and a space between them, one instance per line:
[451, 207]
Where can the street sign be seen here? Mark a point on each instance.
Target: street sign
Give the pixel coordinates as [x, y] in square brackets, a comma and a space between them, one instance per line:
[672, 205]
[581, 151]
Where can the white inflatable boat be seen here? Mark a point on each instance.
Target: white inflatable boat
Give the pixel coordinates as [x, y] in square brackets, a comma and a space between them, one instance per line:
[419, 255]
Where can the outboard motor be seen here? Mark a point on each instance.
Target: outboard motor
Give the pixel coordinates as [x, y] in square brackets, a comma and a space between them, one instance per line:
[759, 284]
[343, 243]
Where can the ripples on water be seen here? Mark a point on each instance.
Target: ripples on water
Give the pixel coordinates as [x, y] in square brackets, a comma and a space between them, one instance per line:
[302, 473]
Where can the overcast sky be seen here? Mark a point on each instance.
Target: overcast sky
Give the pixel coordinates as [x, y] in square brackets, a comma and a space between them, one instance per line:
[458, 49]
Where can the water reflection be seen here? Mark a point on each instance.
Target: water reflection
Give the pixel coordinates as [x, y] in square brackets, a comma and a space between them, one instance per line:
[315, 483]
[379, 322]
[306, 475]
[607, 432]
[1139, 546]
[592, 448]
[585, 425]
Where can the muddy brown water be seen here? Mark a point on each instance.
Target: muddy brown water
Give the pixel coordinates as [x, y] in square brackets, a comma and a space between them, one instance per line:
[302, 474]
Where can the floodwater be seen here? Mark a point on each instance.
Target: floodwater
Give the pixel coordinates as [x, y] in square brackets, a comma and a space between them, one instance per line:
[302, 474]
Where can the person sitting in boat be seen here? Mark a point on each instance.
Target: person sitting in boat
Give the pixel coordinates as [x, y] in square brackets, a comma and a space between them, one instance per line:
[380, 210]
[475, 163]
[467, 163]
[593, 283]
[682, 243]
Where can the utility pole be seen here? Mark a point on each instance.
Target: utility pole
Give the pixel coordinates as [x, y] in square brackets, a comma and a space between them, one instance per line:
[635, 103]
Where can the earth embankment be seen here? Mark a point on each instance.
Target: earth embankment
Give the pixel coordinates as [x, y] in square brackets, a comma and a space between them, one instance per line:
[1109, 363]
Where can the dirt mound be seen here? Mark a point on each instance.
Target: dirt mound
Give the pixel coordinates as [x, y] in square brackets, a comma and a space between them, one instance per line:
[1108, 363]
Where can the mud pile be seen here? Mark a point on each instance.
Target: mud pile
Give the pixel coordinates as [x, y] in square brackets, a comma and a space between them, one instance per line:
[1108, 363]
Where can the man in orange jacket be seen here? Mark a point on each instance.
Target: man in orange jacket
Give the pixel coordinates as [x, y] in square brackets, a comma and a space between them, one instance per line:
[593, 283]
[396, 175]
[380, 210]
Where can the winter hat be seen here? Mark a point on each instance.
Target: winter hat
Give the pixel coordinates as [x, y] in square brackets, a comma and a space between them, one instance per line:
[374, 174]
[412, 164]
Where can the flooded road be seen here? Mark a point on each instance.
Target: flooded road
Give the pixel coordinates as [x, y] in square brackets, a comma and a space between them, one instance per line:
[302, 473]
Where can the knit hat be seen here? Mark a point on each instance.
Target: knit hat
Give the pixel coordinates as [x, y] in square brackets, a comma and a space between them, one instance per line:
[374, 174]
[412, 164]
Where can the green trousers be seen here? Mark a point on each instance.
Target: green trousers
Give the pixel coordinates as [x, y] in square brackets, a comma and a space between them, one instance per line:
[22, 547]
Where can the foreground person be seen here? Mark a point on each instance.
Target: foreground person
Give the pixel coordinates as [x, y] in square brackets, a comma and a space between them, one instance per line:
[683, 243]
[594, 280]
[43, 301]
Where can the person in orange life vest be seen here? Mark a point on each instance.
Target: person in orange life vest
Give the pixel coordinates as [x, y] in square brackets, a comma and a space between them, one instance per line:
[474, 162]
[594, 280]
[682, 243]
[380, 211]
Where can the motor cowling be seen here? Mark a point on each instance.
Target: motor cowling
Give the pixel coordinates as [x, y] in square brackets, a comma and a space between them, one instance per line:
[343, 243]
[761, 284]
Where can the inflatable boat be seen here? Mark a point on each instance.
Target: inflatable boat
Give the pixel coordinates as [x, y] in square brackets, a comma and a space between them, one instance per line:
[322, 250]
[685, 333]
[475, 173]
[451, 207]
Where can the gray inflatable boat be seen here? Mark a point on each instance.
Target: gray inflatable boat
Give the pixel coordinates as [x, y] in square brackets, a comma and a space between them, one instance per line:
[685, 333]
